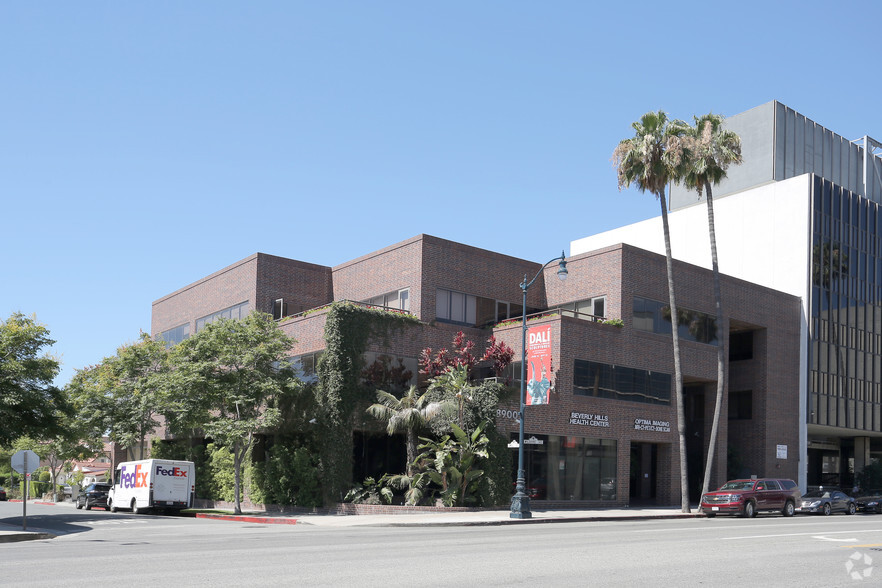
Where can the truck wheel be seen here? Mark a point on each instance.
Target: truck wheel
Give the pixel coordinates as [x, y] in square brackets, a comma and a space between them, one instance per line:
[788, 509]
[749, 510]
[135, 509]
[111, 506]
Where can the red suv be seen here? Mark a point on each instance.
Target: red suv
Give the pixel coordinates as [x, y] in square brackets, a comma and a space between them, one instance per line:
[747, 497]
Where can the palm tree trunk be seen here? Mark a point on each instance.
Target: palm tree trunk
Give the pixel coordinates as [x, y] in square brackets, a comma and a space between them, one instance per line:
[411, 452]
[721, 359]
[678, 374]
[237, 465]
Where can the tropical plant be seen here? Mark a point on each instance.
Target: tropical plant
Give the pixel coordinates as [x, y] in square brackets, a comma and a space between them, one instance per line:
[407, 415]
[650, 160]
[453, 464]
[710, 150]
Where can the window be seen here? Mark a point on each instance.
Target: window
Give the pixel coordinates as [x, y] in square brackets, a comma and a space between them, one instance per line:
[397, 299]
[741, 346]
[655, 317]
[239, 311]
[305, 366]
[456, 307]
[280, 309]
[601, 380]
[588, 309]
[175, 335]
[740, 405]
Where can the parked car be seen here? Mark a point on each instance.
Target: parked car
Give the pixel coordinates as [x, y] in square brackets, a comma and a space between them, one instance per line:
[94, 495]
[870, 502]
[826, 502]
[2, 493]
[748, 497]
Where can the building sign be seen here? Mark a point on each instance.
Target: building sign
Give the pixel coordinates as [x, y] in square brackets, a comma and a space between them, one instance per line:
[538, 365]
[589, 420]
[782, 452]
[533, 441]
[650, 425]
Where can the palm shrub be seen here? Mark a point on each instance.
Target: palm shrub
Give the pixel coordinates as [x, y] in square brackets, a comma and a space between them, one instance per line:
[453, 464]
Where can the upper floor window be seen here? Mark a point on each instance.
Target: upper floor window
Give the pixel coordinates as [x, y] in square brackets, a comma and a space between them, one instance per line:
[655, 317]
[601, 380]
[456, 307]
[239, 311]
[175, 335]
[588, 309]
[398, 299]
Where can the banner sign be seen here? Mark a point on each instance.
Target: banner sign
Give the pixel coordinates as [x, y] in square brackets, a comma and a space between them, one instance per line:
[539, 365]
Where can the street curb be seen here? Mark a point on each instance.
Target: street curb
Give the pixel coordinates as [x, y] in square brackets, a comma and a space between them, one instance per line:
[248, 519]
[25, 536]
[536, 521]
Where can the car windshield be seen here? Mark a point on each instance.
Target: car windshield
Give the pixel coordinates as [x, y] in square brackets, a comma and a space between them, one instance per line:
[817, 494]
[101, 487]
[742, 485]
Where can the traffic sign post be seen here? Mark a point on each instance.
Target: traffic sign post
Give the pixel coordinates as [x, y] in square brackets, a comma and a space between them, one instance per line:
[25, 462]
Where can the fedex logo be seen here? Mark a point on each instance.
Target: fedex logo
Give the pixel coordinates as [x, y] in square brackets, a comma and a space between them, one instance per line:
[174, 472]
[133, 479]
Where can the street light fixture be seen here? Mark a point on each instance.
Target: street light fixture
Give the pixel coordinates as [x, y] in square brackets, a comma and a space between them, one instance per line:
[520, 502]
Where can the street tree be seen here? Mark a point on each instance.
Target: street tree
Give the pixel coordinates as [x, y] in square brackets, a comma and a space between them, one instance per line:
[29, 403]
[650, 160]
[227, 380]
[709, 151]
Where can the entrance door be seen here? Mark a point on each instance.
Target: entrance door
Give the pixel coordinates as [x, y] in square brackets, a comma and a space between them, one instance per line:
[644, 463]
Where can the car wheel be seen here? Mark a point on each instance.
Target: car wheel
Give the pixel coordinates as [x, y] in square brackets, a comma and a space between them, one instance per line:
[851, 508]
[79, 506]
[789, 509]
[827, 509]
[88, 506]
[749, 510]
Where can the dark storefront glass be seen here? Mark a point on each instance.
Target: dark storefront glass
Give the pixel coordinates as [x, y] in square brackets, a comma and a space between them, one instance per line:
[570, 468]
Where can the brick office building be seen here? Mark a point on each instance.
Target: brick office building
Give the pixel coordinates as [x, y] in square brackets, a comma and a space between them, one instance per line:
[607, 434]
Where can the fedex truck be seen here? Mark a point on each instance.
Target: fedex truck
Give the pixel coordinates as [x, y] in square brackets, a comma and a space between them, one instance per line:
[153, 484]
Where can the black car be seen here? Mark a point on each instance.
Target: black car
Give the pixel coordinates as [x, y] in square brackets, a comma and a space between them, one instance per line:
[870, 501]
[2, 494]
[826, 502]
[94, 495]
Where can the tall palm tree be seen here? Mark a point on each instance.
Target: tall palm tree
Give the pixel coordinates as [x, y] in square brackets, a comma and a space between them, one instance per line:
[709, 151]
[407, 415]
[650, 160]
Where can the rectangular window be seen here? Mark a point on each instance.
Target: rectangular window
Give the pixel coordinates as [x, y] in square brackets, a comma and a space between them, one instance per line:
[305, 366]
[591, 309]
[175, 335]
[655, 317]
[397, 299]
[600, 380]
[239, 311]
[456, 307]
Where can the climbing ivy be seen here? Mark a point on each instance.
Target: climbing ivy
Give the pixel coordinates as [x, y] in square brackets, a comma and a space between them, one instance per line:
[348, 330]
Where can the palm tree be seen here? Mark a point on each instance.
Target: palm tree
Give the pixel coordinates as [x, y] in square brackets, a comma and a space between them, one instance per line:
[649, 160]
[408, 415]
[710, 150]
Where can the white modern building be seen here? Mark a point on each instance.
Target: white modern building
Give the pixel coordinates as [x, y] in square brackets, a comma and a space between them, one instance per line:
[803, 215]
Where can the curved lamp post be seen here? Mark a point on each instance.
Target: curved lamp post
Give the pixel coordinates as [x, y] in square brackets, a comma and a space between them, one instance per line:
[520, 502]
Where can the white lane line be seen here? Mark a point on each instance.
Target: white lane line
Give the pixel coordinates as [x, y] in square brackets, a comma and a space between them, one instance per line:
[798, 534]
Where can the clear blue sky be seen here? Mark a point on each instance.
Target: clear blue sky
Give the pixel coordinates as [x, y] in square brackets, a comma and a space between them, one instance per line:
[146, 145]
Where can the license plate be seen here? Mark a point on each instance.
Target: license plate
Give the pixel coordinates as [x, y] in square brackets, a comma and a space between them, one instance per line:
[169, 501]
[715, 508]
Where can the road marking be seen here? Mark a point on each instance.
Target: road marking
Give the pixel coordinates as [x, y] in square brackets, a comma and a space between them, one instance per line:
[798, 534]
[831, 539]
[867, 545]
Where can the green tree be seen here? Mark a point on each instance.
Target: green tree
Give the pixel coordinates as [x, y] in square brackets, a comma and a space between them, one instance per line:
[650, 160]
[227, 379]
[123, 395]
[454, 464]
[710, 150]
[29, 403]
[407, 415]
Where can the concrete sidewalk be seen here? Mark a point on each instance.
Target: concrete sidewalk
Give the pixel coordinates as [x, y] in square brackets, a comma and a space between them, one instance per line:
[10, 533]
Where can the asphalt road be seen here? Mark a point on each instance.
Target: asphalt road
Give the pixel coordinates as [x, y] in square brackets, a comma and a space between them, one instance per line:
[122, 549]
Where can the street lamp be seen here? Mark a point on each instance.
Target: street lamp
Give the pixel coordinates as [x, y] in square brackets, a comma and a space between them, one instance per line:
[520, 502]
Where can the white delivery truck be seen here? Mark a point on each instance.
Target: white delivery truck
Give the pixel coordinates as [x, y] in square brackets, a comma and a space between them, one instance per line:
[153, 484]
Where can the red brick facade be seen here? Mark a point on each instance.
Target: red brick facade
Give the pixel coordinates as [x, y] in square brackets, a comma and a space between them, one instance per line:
[619, 273]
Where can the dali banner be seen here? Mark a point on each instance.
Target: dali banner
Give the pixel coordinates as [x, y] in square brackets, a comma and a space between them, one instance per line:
[539, 372]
